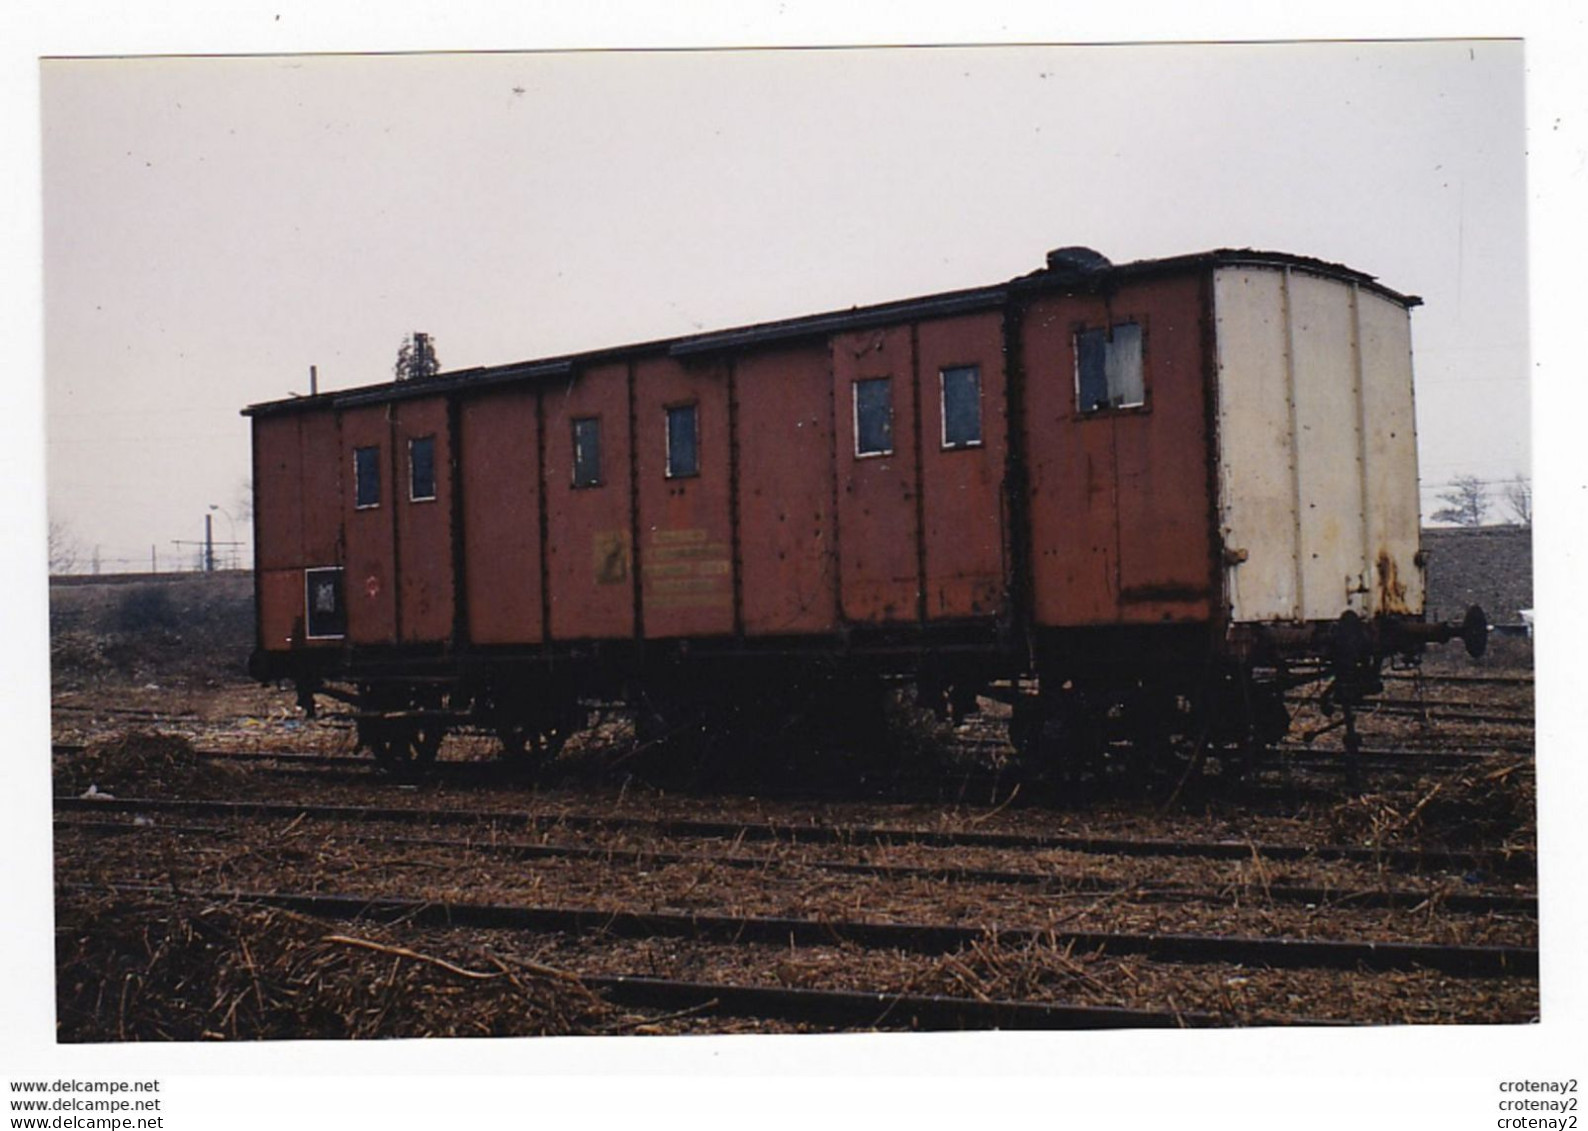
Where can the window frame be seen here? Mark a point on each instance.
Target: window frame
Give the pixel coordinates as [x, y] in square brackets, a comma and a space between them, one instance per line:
[308, 603]
[942, 408]
[693, 408]
[359, 479]
[1108, 407]
[887, 381]
[574, 481]
[434, 478]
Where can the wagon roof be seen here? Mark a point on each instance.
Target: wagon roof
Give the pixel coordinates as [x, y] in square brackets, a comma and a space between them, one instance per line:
[1082, 276]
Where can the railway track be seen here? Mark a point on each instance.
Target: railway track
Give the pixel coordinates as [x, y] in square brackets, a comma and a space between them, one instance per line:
[1141, 892]
[348, 767]
[916, 938]
[1498, 861]
[1429, 679]
[825, 1008]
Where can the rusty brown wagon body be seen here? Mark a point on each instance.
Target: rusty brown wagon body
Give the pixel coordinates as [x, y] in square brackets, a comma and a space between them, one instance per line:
[1151, 495]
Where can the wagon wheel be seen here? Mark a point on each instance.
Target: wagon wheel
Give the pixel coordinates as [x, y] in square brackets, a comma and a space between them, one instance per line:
[1056, 737]
[570, 721]
[387, 745]
[398, 747]
[424, 742]
[521, 747]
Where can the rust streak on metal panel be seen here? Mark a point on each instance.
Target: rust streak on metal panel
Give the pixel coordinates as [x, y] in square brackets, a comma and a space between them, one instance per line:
[1391, 590]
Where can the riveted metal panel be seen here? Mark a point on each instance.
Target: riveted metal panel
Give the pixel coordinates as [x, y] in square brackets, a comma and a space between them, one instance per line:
[500, 466]
[879, 529]
[298, 505]
[1257, 472]
[424, 526]
[371, 578]
[686, 550]
[789, 560]
[1328, 447]
[278, 487]
[1397, 582]
[281, 612]
[322, 489]
[1318, 475]
[1119, 496]
[1161, 455]
[589, 530]
[965, 533]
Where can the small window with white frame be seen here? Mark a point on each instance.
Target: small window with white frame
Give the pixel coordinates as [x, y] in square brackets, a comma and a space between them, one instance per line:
[961, 402]
[1108, 368]
[422, 469]
[325, 613]
[366, 477]
[683, 441]
[874, 416]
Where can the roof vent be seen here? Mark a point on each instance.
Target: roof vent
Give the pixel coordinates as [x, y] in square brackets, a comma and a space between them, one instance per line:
[1082, 259]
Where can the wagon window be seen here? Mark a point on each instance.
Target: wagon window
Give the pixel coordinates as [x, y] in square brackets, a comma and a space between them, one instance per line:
[874, 416]
[322, 602]
[587, 452]
[683, 436]
[366, 477]
[962, 406]
[422, 468]
[1108, 368]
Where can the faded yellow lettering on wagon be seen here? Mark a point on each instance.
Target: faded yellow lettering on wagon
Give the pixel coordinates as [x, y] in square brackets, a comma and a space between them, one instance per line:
[687, 569]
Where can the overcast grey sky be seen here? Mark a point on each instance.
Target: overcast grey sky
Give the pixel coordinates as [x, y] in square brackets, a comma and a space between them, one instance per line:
[214, 226]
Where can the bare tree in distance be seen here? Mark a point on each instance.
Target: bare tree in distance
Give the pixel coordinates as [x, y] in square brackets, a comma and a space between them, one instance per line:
[1519, 499]
[65, 553]
[1466, 503]
[416, 357]
[243, 505]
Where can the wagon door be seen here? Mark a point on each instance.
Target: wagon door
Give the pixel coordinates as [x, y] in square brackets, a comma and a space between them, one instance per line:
[875, 401]
[367, 497]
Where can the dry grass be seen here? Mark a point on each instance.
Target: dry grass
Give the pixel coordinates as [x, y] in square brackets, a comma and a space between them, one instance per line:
[145, 763]
[174, 968]
[1493, 807]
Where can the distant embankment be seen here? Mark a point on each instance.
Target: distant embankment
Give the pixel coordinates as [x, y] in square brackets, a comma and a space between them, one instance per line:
[137, 578]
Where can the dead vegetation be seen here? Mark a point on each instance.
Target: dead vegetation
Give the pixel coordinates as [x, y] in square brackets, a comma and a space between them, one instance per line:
[144, 764]
[174, 968]
[1493, 807]
[190, 630]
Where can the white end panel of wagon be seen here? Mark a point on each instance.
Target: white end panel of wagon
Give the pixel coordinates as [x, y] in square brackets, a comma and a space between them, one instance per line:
[1317, 447]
